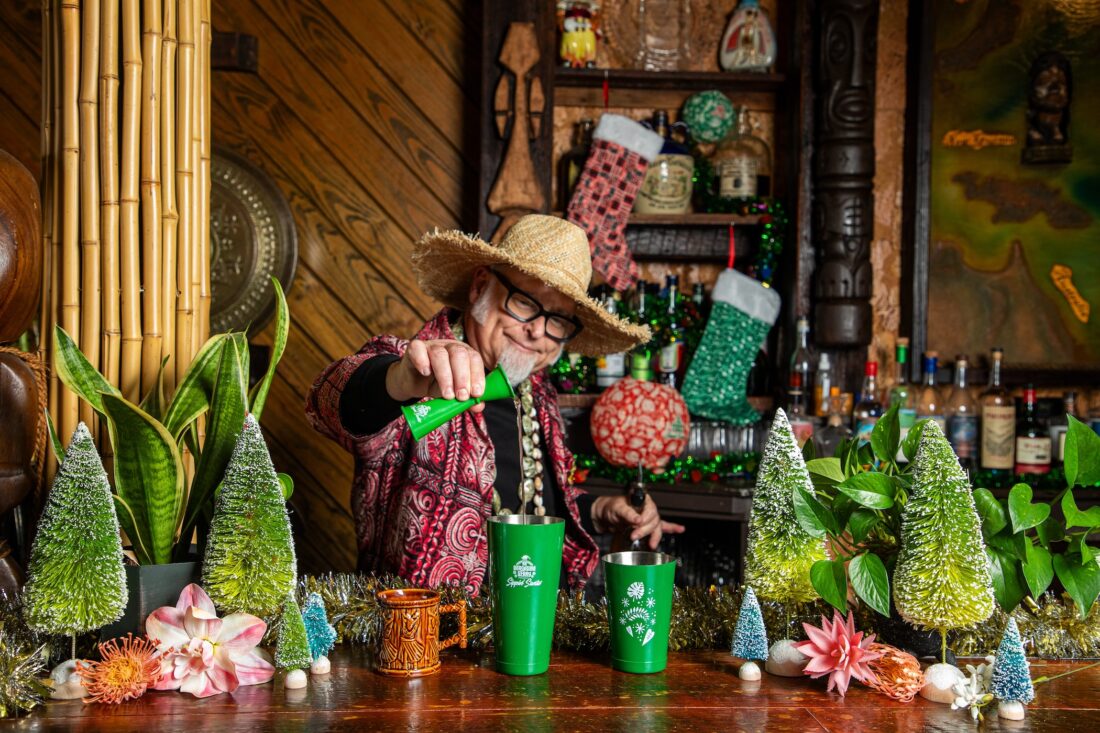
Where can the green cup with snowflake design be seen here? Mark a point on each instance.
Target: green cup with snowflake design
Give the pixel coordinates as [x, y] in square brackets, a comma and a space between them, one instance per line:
[639, 609]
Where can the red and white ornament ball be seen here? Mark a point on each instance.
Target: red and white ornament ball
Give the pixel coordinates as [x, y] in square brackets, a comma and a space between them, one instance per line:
[640, 422]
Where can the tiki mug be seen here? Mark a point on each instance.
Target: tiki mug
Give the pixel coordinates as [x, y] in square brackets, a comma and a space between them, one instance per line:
[410, 631]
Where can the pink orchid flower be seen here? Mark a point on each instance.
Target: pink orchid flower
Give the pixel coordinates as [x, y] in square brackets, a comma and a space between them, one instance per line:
[203, 654]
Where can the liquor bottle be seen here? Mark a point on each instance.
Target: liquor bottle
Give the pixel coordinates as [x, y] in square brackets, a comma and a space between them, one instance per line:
[929, 400]
[748, 43]
[671, 356]
[998, 422]
[901, 394]
[823, 385]
[667, 186]
[962, 418]
[802, 425]
[641, 359]
[802, 360]
[868, 409]
[1032, 442]
[827, 439]
[738, 160]
[610, 368]
[572, 161]
[1059, 427]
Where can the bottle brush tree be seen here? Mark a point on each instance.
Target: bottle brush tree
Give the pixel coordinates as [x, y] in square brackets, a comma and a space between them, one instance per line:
[75, 578]
[321, 634]
[292, 649]
[780, 552]
[750, 639]
[942, 579]
[1011, 673]
[249, 565]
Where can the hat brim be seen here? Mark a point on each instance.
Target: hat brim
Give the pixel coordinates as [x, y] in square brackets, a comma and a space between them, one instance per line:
[444, 263]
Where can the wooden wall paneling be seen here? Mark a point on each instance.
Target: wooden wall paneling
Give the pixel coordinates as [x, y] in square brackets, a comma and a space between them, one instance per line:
[441, 29]
[19, 135]
[21, 60]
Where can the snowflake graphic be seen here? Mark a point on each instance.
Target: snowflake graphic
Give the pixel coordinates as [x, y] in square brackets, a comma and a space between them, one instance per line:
[636, 589]
[639, 629]
[651, 602]
[626, 602]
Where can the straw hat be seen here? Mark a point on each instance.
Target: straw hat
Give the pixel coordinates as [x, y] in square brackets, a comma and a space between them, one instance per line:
[545, 247]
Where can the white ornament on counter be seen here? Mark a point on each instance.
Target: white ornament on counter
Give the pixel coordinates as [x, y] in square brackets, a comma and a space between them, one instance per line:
[1011, 710]
[321, 665]
[67, 682]
[939, 682]
[296, 679]
[784, 660]
[750, 671]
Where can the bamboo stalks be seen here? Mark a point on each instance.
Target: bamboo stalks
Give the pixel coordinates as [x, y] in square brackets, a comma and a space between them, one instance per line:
[129, 243]
[89, 195]
[185, 185]
[46, 309]
[153, 318]
[109, 206]
[206, 38]
[170, 218]
[70, 197]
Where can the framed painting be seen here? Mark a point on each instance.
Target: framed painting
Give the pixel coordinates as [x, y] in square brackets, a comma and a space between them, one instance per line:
[1003, 205]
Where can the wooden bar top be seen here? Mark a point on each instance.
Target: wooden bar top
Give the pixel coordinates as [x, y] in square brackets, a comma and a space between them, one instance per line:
[700, 691]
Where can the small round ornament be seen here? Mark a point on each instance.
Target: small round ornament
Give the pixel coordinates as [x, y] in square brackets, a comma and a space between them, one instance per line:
[750, 671]
[784, 659]
[636, 422]
[709, 115]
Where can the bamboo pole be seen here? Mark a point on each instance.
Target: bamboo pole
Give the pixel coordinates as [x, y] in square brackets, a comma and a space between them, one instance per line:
[129, 380]
[56, 207]
[46, 312]
[203, 225]
[153, 318]
[90, 291]
[185, 164]
[169, 215]
[108, 176]
[70, 196]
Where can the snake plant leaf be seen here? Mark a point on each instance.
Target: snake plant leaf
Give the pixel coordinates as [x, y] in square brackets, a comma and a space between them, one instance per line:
[193, 394]
[228, 406]
[153, 404]
[58, 448]
[76, 372]
[129, 525]
[148, 475]
[282, 329]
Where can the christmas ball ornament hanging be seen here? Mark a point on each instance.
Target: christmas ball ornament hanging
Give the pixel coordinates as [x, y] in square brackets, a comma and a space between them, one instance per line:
[636, 422]
[709, 115]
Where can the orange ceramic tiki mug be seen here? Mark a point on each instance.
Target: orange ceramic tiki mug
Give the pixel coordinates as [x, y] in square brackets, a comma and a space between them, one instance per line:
[410, 631]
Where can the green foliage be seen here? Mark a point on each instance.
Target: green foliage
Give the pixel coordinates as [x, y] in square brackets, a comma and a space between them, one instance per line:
[750, 640]
[292, 649]
[1011, 672]
[158, 508]
[942, 578]
[249, 564]
[780, 550]
[75, 579]
[321, 633]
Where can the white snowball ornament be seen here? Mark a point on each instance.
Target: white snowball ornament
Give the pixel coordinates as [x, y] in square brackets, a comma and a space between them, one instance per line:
[939, 681]
[321, 665]
[67, 682]
[750, 671]
[1010, 710]
[295, 679]
[784, 660]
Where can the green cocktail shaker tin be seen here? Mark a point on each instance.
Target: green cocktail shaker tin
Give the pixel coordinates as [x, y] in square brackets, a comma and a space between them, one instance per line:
[639, 609]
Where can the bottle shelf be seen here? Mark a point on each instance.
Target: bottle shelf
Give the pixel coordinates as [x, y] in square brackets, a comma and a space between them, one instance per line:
[675, 80]
[586, 401]
[692, 220]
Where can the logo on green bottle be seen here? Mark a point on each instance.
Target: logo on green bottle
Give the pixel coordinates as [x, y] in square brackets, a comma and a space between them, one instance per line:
[638, 614]
[421, 411]
[523, 574]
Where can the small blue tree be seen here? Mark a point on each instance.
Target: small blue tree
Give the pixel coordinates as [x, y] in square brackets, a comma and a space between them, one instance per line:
[1011, 672]
[750, 640]
[322, 635]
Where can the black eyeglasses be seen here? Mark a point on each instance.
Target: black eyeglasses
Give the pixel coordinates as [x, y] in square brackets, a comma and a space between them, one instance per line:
[524, 308]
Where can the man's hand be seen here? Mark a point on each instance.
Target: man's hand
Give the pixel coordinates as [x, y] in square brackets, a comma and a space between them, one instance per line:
[610, 513]
[440, 368]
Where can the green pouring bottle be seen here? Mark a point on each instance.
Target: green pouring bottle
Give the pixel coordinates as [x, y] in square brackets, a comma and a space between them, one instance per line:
[424, 417]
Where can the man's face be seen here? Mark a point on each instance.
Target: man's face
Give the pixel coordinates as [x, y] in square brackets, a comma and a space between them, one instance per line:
[520, 348]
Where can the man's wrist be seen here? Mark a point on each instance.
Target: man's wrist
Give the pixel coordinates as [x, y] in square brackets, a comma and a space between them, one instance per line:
[394, 388]
[597, 509]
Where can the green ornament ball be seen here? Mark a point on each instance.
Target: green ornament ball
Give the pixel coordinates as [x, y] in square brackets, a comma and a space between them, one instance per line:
[709, 115]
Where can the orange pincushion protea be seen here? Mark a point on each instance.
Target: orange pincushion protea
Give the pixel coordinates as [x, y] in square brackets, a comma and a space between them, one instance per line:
[897, 674]
[125, 672]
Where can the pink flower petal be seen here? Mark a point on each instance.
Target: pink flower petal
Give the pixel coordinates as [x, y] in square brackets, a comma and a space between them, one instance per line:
[199, 685]
[193, 595]
[819, 638]
[241, 632]
[166, 626]
[223, 674]
[253, 668]
[200, 624]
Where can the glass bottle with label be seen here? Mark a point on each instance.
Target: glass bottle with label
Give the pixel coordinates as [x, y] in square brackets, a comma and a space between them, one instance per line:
[802, 361]
[901, 394]
[641, 359]
[1059, 426]
[962, 418]
[572, 161]
[802, 425]
[868, 409]
[610, 368]
[671, 355]
[739, 159]
[1032, 441]
[998, 422]
[823, 385]
[828, 438]
[667, 186]
[929, 400]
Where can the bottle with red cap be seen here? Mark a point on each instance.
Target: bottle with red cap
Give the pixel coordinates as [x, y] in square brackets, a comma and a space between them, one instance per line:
[1032, 441]
[868, 408]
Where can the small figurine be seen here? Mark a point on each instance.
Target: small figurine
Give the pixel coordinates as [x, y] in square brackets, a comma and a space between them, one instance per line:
[749, 42]
[579, 25]
[1049, 95]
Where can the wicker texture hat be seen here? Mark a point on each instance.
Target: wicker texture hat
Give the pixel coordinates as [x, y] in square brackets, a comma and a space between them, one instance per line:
[550, 249]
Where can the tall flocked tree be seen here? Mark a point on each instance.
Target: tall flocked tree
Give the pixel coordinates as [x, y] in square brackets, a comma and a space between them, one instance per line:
[249, 565]
[75, 579]
[780, 553]
[942, 579]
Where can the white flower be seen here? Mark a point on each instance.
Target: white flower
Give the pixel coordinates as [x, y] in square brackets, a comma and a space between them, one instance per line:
[973, 692]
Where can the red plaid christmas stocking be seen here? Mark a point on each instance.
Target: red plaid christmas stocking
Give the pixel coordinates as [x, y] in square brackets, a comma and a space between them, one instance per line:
[604, 197]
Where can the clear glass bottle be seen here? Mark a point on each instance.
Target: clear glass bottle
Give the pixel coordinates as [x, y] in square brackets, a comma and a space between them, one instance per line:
[1059, 426]
[802, 360]
[998, 422]
[641, 359]
[671, 356]
[572, 161]
[962, 417]
[739, 159]
[868, 409]
[802, 424]
[827, 438]
[610, 368]
[929, 400]
[749, 41]
[1032, 441]
[823, 385]
[664, 34]
[901, 394]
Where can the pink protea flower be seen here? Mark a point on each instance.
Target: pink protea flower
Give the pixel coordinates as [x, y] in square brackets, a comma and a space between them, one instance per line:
[203, 654]
[838, 650]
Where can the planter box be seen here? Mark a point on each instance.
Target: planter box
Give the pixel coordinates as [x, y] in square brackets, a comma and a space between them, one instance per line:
[148, 588]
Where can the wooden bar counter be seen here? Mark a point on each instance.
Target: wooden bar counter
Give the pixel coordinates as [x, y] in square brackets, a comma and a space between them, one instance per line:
[700, 691]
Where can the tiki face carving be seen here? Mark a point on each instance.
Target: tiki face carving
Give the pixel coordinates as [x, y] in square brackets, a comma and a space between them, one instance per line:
[848, 66]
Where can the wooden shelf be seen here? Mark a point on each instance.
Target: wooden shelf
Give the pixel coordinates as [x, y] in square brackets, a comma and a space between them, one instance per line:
[692, 220]
[676, 80]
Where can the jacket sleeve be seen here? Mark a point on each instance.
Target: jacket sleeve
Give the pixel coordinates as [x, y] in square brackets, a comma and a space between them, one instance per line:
[323, 400]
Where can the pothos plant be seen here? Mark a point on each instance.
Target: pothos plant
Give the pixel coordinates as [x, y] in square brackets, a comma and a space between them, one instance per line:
[159, 502]
[1029, 544]
[858, 500]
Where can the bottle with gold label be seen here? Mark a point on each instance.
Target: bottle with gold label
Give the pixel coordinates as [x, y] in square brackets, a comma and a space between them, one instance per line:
[998, 422]
[667, 186]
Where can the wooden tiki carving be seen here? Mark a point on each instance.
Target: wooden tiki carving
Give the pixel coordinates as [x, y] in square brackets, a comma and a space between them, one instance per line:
[519, 105]
[844, 172]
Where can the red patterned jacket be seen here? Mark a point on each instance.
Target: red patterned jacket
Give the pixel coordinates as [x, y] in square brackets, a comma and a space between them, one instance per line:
[420, 507]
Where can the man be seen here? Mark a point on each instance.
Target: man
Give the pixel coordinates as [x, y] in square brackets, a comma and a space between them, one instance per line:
[421, 507]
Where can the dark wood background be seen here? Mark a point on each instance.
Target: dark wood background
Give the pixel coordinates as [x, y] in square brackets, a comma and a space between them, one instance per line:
[363, 113]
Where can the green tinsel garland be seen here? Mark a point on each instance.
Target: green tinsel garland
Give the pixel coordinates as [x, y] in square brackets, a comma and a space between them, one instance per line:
[726, 467]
